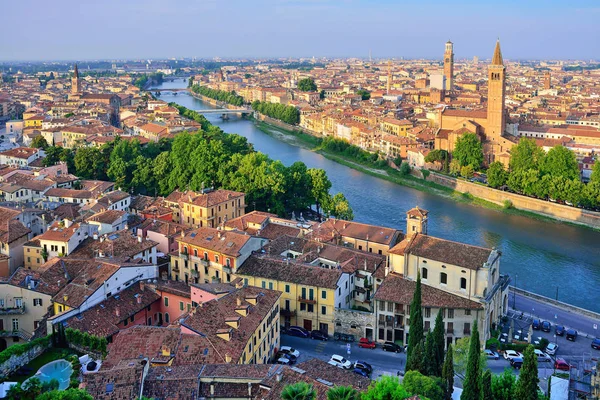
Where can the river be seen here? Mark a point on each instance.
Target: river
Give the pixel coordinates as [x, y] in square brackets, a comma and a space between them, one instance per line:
[540, 256]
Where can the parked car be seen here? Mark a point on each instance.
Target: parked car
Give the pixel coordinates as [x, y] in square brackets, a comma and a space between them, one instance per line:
[571, 334]
[536, 325]
[283, 361]
[391, 346]
[561, 364]
[516, 362]
[292, 359]
[340, 362]
[541, 356]
[559, 330]
[319, 335]
[363, 365]
[551, 348]
[361, 372]
[297, 331]
[510, 354]
[596, 344]
[289, 350]
[492, 355]
[546, 326]
[366, 343]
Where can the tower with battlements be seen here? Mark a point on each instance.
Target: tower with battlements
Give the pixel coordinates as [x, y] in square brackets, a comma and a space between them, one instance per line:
[449, 65]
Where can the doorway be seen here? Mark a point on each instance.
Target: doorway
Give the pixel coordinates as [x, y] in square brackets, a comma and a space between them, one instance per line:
[369, 333]
[308, 324]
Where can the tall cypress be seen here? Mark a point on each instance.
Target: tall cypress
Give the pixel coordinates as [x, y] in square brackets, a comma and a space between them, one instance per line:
[486, 385]
[527, 384]
[472, 382]
[448, 373]
[438, 342]
[430, 366]
[415, 336]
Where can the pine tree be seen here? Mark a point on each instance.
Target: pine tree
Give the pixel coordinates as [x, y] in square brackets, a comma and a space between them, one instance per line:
[418, 357]
[486, 385]
[415, 336]
[448, 373]
[438, 342]
[527, 384]
[429, 361]
[472, 382]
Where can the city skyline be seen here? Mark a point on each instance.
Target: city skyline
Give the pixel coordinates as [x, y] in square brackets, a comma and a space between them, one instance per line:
[319, 28]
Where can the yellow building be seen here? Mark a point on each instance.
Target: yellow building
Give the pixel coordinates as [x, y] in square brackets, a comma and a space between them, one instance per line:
[208, 208]
[35, 121]
[398, 127]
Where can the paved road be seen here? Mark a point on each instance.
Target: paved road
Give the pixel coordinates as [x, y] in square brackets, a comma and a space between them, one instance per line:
[584, 325]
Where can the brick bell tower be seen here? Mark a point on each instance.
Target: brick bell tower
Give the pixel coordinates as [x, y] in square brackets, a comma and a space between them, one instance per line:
[496, 120]
[449, 66]
[75, 82]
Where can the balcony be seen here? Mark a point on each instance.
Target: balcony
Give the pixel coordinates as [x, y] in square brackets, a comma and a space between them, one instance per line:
[305, 300]
[183, 256]
[450, 331]
[175, 269]
[12, 310]
[288, 313]
[195, 273]
[399, 310]
[226, 269]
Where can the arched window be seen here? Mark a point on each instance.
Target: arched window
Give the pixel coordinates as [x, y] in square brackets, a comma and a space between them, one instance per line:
[463, 283]
[443, 278]
[195, 252]
[424, 273]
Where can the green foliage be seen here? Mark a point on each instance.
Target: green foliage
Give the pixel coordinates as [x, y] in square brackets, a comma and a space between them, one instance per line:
[496, 174]
[299, 391]
[503, 385]
[364, 94]
[560, 161]
[418, 384]
[19, 349]
[343, 393]
[288, 114]
[221, 95]
[439, 343]
[404, 168]
[454, 167]
[319, 189]
[527, 384]
[55, 154]
[596, 172]
[307, 85]
[436, 155]
[525, 155]
[429, 359]
[69, 394]
[39, 142]
[386, 388]
[415, 338]
[472, 382]
[344, 148]
[84, 339]
[492, 343]
[467, 171]
[339, 207]
[156, 78]
[448, 373]
[468, 151]
[486, 385]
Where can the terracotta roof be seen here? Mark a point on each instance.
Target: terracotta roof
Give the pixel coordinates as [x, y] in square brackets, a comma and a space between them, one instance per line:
[479, 114]
[400, 290]
[327, 230]
[417, 212]
[59, 232]
[20, 152]
[174, 382]
[225, 242]
[122, 381]
[70, 193]
[107, 217]
[121, 244]
[208, 199]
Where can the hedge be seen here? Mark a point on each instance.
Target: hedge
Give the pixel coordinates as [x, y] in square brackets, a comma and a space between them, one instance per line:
[84, 339]
[19, 349]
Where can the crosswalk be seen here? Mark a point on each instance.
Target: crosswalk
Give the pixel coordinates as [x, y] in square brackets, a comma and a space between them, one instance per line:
[320, 347]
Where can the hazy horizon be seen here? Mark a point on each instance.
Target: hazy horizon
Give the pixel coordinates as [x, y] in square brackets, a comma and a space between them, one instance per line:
[152, 29]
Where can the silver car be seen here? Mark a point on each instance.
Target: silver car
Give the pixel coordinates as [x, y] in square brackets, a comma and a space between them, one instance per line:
[491, 355]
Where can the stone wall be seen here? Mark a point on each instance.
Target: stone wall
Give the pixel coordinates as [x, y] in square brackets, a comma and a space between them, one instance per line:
[84, 350]
[17, 361]
[283, 125]
[553, 210]
[352, 322]
[556, 303]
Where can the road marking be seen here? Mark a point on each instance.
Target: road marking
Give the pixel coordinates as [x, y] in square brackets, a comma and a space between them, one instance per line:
[320, 347]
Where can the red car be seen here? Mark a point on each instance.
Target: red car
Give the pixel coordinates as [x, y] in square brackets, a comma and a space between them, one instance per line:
[366, 343]
[561, 364]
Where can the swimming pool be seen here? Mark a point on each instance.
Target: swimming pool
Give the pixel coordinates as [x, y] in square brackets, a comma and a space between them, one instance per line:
[60, 370]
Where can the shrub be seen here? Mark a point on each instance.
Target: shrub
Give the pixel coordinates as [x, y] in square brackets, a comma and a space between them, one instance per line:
[507, 204]
[492, 343]
[425, 173]
[404, 169]
[19, 349]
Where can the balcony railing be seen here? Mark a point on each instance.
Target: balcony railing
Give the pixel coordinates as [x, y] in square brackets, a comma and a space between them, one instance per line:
[287, 312]
[450, 331]
[305, 300]
[183, 256]
[226, 269]
[12, 310]
[195, 273]
[175, 269]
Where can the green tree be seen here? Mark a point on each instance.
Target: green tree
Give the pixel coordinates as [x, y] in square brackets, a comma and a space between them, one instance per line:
[364, 94]
[454, 167]
[486, 385]
[525, 155]
[448, 373]
[439, 342]
[467, 171]
[39, 142]
[418, 384]
[496, 174]
[560, 161]
[415, 337]
[299, 391]
[503, 385]
[596, 171]
[436, 155]
[405, 169]
[386, 388]
[468, 151]
[307, 85]
[472, 382]
[320, 186]
[527, 384]
[69, 394]
[430, 367]
[340, 207]
[89, 163]
[343, 393]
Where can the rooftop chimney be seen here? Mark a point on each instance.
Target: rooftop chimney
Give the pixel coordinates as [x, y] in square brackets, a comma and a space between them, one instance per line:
[117, 312]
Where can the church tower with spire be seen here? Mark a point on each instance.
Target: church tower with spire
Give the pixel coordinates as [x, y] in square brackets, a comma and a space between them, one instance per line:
[75, 82]
[496, 120]
[449, 65]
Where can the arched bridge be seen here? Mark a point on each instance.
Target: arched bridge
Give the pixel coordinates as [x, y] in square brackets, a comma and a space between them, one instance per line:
[168, 90]
[225, 111]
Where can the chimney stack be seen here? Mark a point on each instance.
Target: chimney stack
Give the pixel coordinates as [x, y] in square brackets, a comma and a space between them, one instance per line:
[117, 312]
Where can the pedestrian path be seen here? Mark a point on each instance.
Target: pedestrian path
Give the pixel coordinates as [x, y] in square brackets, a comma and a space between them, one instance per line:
[320, 347]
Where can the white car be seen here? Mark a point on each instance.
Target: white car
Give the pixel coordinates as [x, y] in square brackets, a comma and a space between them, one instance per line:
[340, 362]
[283, 361]
[541, 356]
[510, 354]
[551, 348]
[290, 350]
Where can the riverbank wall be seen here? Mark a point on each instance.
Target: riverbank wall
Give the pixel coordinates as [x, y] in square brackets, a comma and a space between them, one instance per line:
[283, 125]
[546, 208]
[216, 103]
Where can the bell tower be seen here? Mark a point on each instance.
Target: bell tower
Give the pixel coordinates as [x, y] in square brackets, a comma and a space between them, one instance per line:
[416, 221]
[449, 65]
[75, 83]
[496, 120]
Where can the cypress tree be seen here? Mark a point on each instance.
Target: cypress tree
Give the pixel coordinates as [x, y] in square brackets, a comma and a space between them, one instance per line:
[415, 336]
[527, 384]
[448, 373]
[472, 382]
[429, 361]
[438, 342]
[486, 385]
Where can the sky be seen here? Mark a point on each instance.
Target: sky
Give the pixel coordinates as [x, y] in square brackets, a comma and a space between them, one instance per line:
[136, 29]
